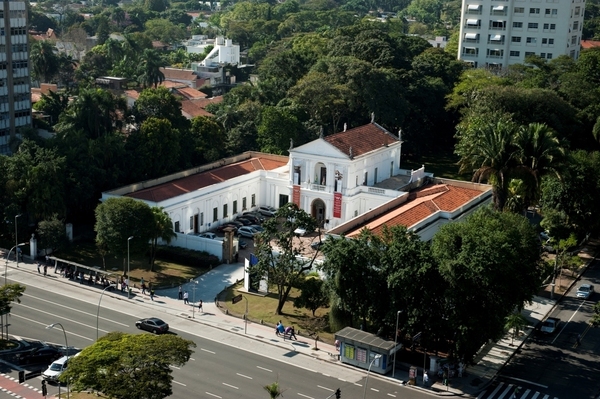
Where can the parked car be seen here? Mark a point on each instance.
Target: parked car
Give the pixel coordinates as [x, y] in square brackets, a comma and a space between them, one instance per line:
[152, 324]
[247, 231]
[267, 210]
[236, 223]
[300, 231]
[43, 355]
[243, 244]
[224, 226]
[244, 221]
[211, 236]
[253, 218]
[56, 369]
[585, 290]
[549, 325]
[258, 228]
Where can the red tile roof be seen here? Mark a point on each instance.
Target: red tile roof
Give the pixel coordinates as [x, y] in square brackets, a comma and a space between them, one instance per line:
[169, 84]
[179, 74]
[422, 203]
[191, 110]
[191, 94]
[586, 44]
[197, 181]
[362, 139]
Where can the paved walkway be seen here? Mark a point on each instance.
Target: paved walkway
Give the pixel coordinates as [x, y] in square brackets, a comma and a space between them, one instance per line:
[489, 360]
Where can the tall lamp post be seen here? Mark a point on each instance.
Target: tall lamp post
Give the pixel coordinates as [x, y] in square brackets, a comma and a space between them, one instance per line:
[16, 240]
[98, 311]
[377, 356]
[51, 326]
[7, 257]
[395, 343]
[128, 276]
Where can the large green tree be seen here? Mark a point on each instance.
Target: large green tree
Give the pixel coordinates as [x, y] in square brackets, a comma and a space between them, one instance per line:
[129, 366]
[117, 219]
[162, 229]
[44, 62]
[52, 234]
[491, 265]
[279, 251]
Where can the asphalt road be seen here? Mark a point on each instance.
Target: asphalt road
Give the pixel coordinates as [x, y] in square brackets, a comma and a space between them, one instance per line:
[555, 364]
[216, 370]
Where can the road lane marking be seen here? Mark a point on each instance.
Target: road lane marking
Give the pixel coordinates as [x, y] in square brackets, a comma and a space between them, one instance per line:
[325, 388]
[206, 350]
[70, 309]
[174, 367]
[341, 379]
[508, 388]
[180, 383]
[64, 318]
[262, 368]
[305, 396]
[373, 389]
[45, 325]
[326, 375]
[213, 395]
[245, 376]
[568, 321]
[389, 394]
[525, 381]
[230, 386]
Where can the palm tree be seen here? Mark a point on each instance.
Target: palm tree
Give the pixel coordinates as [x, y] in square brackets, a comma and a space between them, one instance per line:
[516, 322]
[490, 156]
[149, 69]
[539, 153]
[43, 60]
[273, 390]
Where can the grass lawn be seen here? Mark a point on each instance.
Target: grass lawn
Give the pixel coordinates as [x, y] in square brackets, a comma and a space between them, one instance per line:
[165, 274]
[263, 308]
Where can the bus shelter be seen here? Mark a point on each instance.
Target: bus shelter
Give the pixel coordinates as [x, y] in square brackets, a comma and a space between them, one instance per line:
[360, 349]
[91, 275]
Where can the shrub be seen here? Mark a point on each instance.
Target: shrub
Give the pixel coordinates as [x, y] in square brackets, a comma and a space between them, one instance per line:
[188, 257]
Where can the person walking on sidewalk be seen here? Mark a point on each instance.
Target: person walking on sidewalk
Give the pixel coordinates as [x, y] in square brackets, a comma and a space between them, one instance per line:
[200, 306]
[38, 265]
[425, 379]
[185, 298]
[45, 269]
[180, 293]
[152, 294]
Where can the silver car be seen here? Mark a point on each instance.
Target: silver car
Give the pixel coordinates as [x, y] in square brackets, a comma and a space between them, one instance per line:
[247, 231]
[584, 291]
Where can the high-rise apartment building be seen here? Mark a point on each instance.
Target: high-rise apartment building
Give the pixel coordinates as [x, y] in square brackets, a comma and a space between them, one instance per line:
[498, 33]
[15, 92]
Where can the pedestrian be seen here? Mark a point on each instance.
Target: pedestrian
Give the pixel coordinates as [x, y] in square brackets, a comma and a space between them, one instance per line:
[55, 267]
[277, 328]
[38, 265]
[180, 293]
[425, 379]
[516, 393]
[152, 294]
[19, 254]
[185, 298]
[45, 269]
[141, 281]
[578, 339]
[143, 287]
[200, 306]
[290, 333]
[281, 329]
[47, 259]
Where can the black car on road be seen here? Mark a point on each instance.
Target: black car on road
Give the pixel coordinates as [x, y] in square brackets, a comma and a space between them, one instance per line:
[152, 324]
[43, 355]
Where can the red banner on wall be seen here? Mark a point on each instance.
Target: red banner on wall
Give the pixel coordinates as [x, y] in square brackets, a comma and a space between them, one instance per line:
[337, 205]
[296, 195]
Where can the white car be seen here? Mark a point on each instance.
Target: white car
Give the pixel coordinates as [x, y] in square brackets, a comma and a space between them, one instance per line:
[584, 291]
[247, 231]
[267, 210]
[211, 236]
[56, 368]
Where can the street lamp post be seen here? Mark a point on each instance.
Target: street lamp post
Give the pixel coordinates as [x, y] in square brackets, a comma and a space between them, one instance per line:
[51, 326]
[395, 343]
[16, 240]
[7, 257]
[128, 276]
[377, 356]
[98, 311]
[193, 295]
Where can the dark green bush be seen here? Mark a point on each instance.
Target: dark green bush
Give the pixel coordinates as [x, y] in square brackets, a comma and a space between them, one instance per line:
[188, 257]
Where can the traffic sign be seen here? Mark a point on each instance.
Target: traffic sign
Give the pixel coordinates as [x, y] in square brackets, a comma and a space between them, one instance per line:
[237, 298]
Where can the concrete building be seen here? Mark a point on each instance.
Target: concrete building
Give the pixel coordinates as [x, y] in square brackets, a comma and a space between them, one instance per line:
[223, 52]
[15, 85]
[497, 33]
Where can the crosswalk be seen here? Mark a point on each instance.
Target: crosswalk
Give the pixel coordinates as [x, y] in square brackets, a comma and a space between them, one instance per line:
[511, 391]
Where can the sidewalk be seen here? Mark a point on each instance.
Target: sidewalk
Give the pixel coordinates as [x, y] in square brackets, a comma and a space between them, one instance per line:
[262, 339]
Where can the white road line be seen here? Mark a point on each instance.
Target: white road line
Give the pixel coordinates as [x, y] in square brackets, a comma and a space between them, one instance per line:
[535, 395]
[180, 383]
[525, 381]
[206, 350]
[340, 379]
[306, 396]
[568, 321]
[506, 391]
[174, 367]
[245, 376]
[373, 389]
[498, 388]
[44, 324]
[326, 375]
[62, 317]
[389, 394]
[546, 396]
[230, 386]
[325, 388]
[71, 309]
[357, 384]
[525, 394]
[262, 368]
[213, 395]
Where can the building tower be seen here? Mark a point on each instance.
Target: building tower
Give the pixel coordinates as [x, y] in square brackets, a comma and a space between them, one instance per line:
[498, 33]
[15, 92]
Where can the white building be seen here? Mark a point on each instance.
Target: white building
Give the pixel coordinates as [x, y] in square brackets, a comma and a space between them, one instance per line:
[15, 92]
[198, 44]
[497, 33]
[224, 52]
